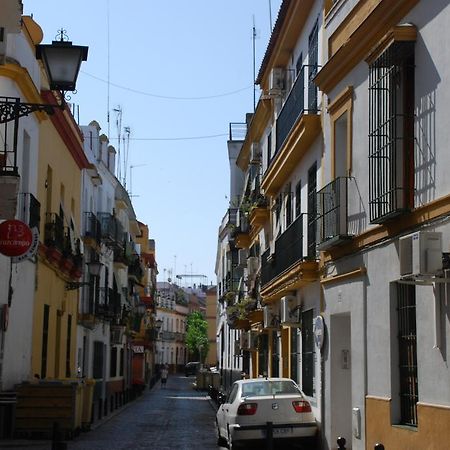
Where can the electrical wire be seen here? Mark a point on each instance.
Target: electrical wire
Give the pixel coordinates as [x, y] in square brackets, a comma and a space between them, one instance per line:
[167, 97]
[187, 138]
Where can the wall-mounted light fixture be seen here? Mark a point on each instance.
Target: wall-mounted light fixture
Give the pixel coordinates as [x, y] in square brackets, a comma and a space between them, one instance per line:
[94, 269]
[62, 62]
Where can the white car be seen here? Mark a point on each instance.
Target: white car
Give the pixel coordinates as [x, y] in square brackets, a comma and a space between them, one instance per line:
[259, 408]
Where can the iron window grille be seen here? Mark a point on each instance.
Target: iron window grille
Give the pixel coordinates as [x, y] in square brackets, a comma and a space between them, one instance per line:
[407, 342]
[295, 356]
[275, 356]
[29, 209]
[308, 355]
[313, 55]
[391, 132]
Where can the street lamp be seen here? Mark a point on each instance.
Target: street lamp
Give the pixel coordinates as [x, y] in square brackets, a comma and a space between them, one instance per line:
[62, 62]
[94, 268]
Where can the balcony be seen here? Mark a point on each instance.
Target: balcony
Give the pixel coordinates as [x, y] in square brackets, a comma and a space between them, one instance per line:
[92, 229]
[54, 231]
[241, 232]
[288, 250]
[287, 268]
[111, 230]
[168, 335]
[135, 269]
[332, 210]
[297, 126]
[237, 131]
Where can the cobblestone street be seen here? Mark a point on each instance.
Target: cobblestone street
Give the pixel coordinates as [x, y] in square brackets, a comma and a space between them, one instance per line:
[177, 417]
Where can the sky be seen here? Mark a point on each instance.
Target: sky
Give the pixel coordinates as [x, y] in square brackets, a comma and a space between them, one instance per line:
[180, 71]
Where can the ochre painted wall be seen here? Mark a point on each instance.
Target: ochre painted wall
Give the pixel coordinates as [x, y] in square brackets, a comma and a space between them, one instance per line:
[51, 283]
[432, 433]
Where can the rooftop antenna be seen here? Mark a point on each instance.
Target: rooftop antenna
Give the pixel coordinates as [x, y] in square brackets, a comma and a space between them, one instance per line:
[254, 63]
[126, 148]
[130, 192]
[118, 112]
[108, 84]
[270, 15]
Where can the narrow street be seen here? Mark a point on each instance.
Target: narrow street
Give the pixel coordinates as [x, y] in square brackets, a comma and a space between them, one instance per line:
[176, 417]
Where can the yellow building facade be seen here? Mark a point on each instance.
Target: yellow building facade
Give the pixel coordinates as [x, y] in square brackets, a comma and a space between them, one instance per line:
[61, 159]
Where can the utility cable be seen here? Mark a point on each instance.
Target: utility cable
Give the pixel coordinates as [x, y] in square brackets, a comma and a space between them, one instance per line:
[167, 97]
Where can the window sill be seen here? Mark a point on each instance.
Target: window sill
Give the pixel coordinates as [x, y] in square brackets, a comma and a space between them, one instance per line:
[406, 427]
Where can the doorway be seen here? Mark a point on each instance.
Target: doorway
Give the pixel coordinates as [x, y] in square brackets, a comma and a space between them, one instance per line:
[341, 378]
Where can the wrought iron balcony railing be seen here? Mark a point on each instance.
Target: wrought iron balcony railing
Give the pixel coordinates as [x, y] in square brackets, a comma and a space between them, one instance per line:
[54, 231]
[332, 214]
[92, 227]
[135, 267]
[168, 335]
[297, 104]
[112, 232]
[288, 251]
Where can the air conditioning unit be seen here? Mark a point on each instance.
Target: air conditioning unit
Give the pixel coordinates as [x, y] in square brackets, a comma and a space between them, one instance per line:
[271, 318]
[420, 253]
[244, 340]
[242, 257]
[252, 266]
[276, 80]
[290, 311]
[255, 153]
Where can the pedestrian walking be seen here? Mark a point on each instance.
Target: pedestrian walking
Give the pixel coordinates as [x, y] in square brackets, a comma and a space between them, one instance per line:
[164, 375]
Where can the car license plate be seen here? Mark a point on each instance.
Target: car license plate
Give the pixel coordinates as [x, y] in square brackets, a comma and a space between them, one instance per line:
[282, 430]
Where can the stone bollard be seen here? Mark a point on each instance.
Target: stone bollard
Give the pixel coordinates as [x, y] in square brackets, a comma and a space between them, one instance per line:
[341, 443]
[379, 446]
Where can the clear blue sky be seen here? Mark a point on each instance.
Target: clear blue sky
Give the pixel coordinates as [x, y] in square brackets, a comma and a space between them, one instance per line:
[163, 57]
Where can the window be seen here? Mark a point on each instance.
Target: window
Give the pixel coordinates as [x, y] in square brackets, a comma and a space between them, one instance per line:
[298, 199]
[45, 341]
[407, 352]
[69, 344]
[275, 355]
[312, 210]
[391, 132]
[263, 348]
[294, 354]
[341, 110]
[298, 65]
[288, 205]
[269, 148]
[98, 360]
[313, 55]
[113, 365]
[121, 362]
[307, 353]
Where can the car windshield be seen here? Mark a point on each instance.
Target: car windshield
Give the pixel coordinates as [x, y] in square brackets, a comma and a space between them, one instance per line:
[268, 387]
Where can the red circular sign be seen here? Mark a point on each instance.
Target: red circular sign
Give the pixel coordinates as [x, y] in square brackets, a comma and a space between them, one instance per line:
[15, 238]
